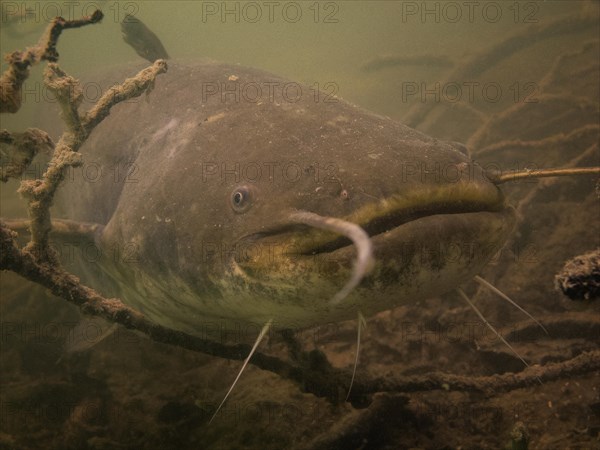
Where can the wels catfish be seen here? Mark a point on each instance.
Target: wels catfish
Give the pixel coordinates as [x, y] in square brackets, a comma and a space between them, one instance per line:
[252, 199]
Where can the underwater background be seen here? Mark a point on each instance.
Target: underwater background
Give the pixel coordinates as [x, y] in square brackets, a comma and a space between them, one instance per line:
[517, 82]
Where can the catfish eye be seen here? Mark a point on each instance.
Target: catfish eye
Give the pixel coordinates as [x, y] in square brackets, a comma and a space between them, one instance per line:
[241, 199]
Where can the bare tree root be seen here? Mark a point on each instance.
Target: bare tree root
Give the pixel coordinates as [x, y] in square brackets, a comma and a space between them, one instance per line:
[560, 139]
[550, 79]
[393, 410]
[568, 103]
[553, 74]
[563, 326]
[490, 58]
[585, 363]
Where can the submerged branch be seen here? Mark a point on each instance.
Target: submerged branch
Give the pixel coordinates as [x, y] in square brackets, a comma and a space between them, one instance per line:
[41, 192]
[20, 62]
[587, 362]
[130, 88]
[23, 148]
[498, 178]
[60, 227]
[559, 139]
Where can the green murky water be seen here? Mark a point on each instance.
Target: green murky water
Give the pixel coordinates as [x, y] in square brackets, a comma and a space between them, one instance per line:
[143, 395]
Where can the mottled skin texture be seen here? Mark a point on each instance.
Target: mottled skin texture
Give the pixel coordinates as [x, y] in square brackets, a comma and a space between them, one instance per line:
[186, 257]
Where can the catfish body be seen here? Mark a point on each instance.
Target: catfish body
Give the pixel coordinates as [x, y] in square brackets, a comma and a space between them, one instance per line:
[177, 245]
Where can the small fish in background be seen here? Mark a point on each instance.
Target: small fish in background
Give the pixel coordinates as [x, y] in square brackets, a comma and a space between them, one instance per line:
[142, 40]
[388, 61]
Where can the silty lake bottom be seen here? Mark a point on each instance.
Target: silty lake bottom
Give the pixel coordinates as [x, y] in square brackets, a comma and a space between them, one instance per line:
[517, 83]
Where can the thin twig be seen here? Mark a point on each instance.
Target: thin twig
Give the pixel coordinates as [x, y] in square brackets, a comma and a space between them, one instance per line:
[499, 178]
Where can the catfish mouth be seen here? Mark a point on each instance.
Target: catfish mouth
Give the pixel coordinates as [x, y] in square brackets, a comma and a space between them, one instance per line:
[379, 225]
[373, 238]
[389, 215]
